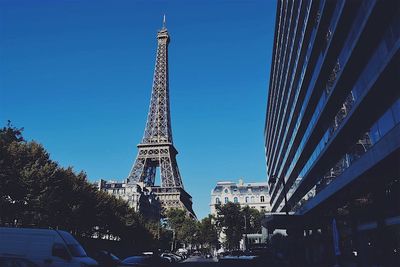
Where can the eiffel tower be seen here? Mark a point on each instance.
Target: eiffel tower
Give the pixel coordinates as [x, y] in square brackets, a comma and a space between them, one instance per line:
[156, 149]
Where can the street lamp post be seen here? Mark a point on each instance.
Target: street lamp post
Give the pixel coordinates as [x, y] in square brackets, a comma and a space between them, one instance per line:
[173, 241]
[285, 194]
[245, 232]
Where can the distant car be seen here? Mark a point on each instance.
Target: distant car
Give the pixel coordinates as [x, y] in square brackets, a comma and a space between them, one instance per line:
[179, 257]
[236, 258]
[139, 260]
[145, 261]
[181, 254]
[222, 254]
[171, 256]
[16, 262]
[196, 253]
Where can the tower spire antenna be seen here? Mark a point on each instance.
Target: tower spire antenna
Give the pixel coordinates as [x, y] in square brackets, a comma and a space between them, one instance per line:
[164, 23]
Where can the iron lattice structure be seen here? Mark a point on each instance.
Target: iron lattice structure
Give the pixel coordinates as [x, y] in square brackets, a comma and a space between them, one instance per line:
[156, 148]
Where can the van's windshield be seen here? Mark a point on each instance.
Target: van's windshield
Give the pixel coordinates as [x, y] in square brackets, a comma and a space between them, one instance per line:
[74, 247]
[76, 250]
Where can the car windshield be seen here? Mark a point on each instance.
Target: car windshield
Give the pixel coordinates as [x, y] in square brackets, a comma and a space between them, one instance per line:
[76, 250]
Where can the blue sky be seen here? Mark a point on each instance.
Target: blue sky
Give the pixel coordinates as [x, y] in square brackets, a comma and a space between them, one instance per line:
[77, 76]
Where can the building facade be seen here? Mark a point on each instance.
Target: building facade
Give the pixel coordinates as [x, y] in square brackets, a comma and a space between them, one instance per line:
[332, 132]
[139, 197]
[254, 195]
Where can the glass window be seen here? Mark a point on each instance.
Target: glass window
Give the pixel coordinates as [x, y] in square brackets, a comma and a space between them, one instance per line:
[235, 199]
[374, 134]
[247, 199]
[252, 199]
[396, 111]
[262, 199]
[386, 122]
[226, 200]
[217, 200]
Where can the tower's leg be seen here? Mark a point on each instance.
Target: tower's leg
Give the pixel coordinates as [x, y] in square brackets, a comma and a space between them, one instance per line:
[137, 170]
[167, 175]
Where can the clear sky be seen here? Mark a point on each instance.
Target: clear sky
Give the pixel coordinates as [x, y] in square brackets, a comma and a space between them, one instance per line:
[77, 76]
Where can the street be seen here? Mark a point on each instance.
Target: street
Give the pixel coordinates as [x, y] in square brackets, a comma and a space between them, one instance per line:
[197, 261]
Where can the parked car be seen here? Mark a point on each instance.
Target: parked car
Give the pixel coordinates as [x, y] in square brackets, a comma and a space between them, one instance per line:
[16, 262]
[174, 257]
[237, 258]
[106, 259]
[179, 257]
[145, 261]
[168, 257]
[196, 253]
[182, 251]
[44, 247]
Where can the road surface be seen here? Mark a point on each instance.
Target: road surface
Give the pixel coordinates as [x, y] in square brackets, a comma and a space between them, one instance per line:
[197, 261]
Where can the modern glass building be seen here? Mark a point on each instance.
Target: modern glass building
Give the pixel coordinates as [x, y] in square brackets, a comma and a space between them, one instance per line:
[332, 130]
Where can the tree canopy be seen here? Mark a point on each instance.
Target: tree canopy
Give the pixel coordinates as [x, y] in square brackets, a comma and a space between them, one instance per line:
[188, 231]
[234, 221]
[36, 191]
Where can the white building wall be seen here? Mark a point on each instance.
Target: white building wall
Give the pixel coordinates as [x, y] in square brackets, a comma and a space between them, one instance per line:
[254, 195]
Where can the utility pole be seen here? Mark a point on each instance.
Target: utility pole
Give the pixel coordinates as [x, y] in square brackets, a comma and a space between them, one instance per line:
[245, 232]
[173, 241]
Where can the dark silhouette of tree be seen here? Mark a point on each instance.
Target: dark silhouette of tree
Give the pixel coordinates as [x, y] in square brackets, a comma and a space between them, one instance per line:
[234, 221]
[36, 192]
[185, 229]
[231, 223]
[12, 189]
[253, 220]
[208, 235]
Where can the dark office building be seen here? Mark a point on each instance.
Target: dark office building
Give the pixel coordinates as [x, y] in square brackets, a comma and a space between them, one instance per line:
[332, 131]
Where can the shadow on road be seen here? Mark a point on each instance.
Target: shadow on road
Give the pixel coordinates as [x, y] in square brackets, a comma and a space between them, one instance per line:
[197, 264]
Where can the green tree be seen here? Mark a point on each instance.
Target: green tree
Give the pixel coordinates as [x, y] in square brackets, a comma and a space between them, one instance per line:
[253, 220]
[208, 232]
[36, 191]
[234, 221]
[12, 189]
[231, 223]
[185, 229]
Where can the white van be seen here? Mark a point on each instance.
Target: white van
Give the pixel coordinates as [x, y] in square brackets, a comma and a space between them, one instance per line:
[47, 248]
